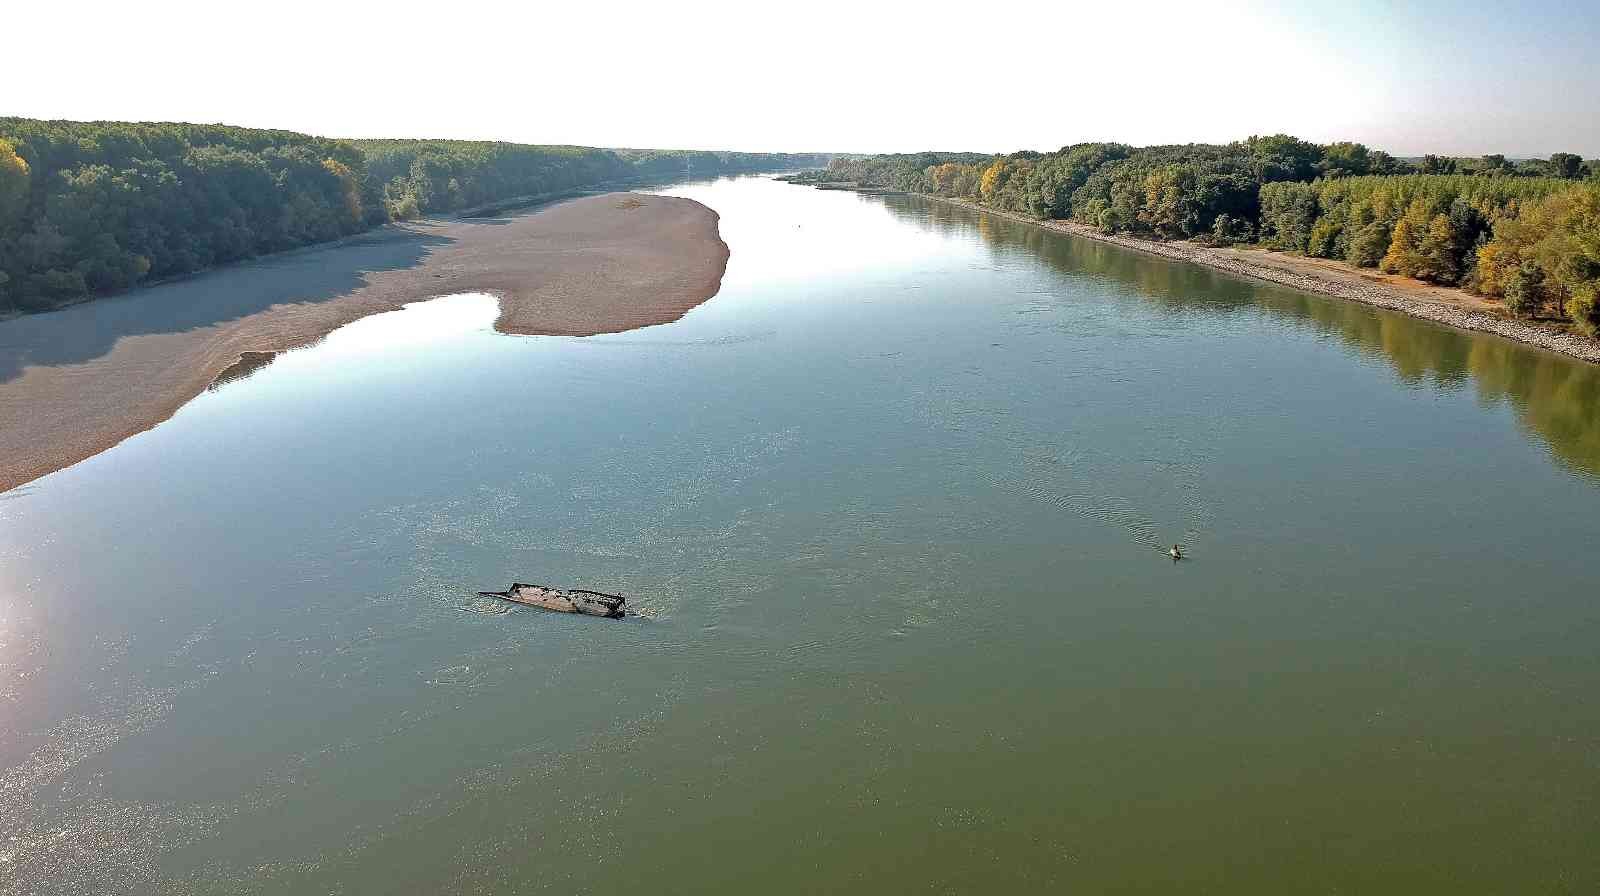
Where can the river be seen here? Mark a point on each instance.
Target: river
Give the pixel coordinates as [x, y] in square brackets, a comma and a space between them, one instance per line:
[893, 507]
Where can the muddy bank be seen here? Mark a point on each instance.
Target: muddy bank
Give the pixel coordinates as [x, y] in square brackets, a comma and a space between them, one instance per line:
[77, 381]
[1454, 307]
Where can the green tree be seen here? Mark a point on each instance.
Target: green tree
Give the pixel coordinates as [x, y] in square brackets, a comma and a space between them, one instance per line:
[1326, 237]
[1566, 165]
[1288, 214]
[1524, 290]
[1282, 157]
[1437, 261]
[1432, 164]
[1228, 230]
[1345, 159]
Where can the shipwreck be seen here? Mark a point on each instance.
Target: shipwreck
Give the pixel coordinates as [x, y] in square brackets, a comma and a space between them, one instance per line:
[575, 600]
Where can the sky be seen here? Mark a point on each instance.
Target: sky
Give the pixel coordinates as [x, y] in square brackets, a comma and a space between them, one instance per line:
[1468, 78]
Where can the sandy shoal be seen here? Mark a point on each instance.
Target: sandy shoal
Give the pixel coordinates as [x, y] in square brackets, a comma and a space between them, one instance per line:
[77, 381]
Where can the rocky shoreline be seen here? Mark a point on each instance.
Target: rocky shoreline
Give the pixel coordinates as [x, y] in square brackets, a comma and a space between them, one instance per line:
[1375, 294]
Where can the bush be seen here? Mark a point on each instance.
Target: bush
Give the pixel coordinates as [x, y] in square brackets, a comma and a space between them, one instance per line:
[1368, 246]
[1584, 310]
[1228, 230]
[1288, 212]
[403, 208]
[1324, 241]
[1523, 287]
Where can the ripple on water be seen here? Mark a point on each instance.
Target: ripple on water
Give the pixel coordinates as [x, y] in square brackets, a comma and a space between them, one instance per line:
[464, 677]
[62, 834]
[486, 606]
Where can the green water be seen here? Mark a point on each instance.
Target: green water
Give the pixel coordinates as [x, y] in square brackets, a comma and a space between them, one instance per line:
[892, 505]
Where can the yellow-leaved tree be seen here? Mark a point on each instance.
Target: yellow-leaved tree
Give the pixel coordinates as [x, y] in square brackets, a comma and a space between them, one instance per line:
[1401, 257]
[349, 189]
[13, 184]
[993, 179]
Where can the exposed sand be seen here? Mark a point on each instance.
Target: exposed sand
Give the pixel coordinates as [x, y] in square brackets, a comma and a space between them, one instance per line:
[1454, 307]
[75, 382]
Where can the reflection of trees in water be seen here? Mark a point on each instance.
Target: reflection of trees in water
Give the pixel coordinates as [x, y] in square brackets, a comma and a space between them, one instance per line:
[1555, 398]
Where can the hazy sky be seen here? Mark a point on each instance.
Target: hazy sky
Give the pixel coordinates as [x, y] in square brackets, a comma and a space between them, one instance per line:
[1460, 78]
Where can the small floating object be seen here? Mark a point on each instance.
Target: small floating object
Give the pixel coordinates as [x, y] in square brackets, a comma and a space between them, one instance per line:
[1176, 553]
[576, 600]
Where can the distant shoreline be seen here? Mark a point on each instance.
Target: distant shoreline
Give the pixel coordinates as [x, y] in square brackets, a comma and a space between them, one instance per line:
[1451, 307]
[78, 380]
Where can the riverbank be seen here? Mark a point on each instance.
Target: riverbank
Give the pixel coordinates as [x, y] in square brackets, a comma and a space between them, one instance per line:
[76, 381]
[1453, 307]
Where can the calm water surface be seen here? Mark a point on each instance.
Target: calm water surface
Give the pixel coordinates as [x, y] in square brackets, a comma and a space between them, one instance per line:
[892, 506]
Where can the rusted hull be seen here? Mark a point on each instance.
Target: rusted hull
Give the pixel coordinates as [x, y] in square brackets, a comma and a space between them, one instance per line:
[577, 600]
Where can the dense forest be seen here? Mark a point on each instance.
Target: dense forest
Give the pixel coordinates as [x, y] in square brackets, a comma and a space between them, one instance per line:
[419, 177]
[1525, 232]
[88, 208]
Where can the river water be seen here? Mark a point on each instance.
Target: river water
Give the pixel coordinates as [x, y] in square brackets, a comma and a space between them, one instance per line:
[893, 506]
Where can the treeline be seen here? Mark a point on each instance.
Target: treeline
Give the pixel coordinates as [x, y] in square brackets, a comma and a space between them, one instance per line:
[1466, 230]
[1526, 232]
[418, 177]
[671, 163]
[437, 176]
[89, 208]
